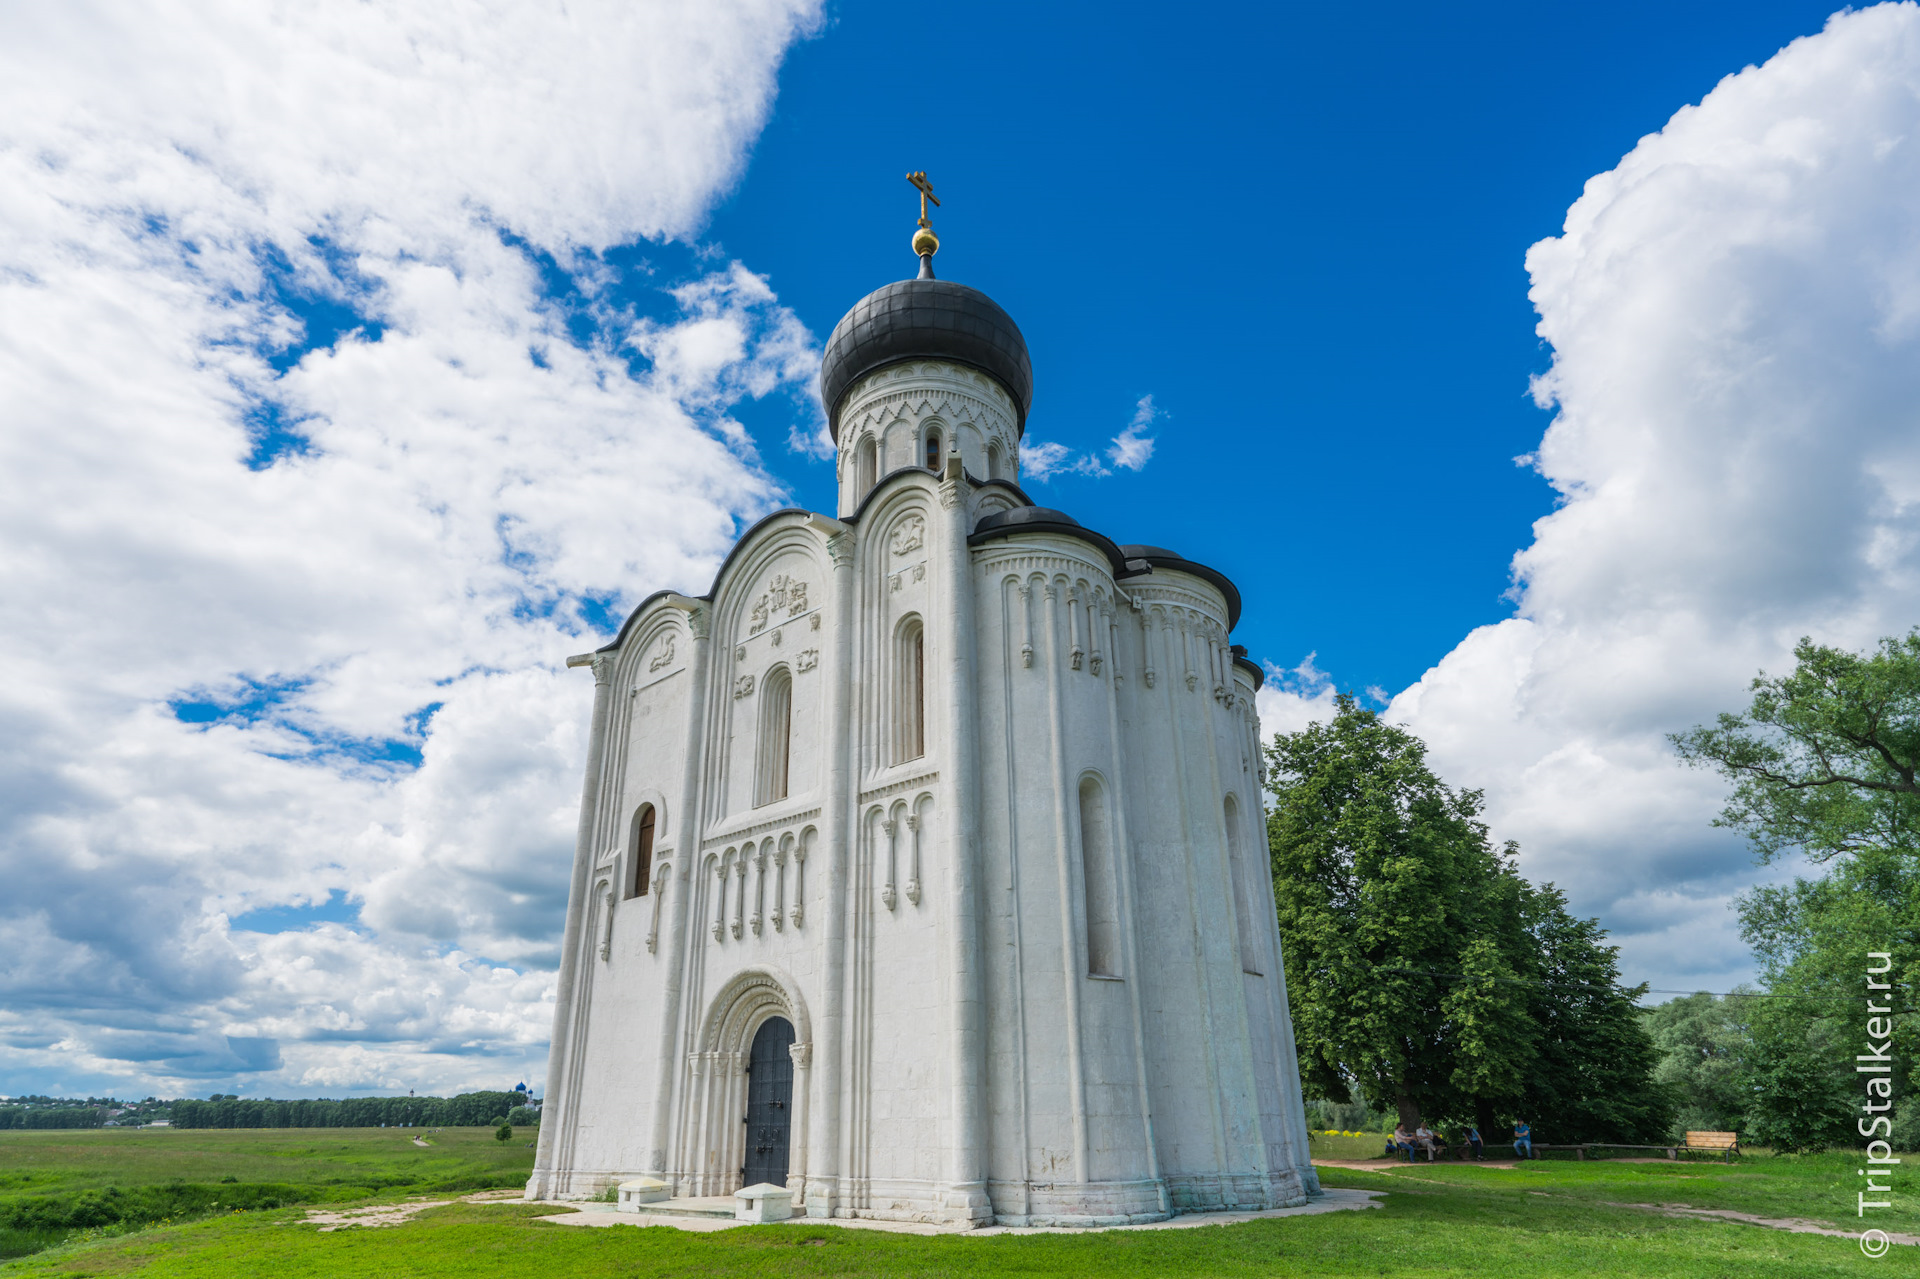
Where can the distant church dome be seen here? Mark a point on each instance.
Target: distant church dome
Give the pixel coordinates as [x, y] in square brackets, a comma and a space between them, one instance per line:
[925, 319]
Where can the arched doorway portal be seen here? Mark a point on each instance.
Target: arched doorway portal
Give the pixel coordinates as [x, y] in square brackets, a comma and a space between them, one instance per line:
[769, 1103]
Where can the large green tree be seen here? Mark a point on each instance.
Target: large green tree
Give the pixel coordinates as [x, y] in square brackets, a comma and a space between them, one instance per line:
[1703, 1045]
[1824, 762]
[1593, 1075]
[1423, 971]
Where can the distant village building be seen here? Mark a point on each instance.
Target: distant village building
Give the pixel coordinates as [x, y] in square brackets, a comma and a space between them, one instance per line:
[922, 864]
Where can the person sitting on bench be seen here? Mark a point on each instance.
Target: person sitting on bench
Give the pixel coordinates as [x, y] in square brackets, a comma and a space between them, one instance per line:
[1523, 1140]
[1400, 1141]
[1429, 1140]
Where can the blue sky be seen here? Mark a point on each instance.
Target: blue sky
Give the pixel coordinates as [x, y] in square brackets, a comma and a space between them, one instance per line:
[1301, 229]
[362, 363]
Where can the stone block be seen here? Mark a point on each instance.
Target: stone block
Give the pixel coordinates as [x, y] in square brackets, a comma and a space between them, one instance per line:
[643, 1190]
[764, 1202]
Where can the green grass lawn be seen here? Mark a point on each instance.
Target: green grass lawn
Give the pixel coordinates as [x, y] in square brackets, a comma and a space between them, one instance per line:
[55, 1183]
[1548, 1218]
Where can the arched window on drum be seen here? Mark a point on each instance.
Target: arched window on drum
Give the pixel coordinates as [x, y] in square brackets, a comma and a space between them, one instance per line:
[640, 851]
[1100, 879]
[1241, 876]
[776, 736]
[909, 691]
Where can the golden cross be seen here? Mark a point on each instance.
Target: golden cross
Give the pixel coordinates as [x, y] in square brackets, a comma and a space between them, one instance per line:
[926, 193]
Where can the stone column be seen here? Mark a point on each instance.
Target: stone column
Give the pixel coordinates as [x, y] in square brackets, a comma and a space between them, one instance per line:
[559, 1099]
[1065, 849]
[802, 1055]
[836, 811]
[967, 1198]
[686, 840]
[1123, 854]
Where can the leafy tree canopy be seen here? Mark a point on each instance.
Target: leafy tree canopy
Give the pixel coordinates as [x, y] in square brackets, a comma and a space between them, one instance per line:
[1825, 760]
[1422, 969]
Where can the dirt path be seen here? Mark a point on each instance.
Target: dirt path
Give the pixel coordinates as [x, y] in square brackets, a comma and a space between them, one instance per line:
[393, 1214]
[1793, 1225]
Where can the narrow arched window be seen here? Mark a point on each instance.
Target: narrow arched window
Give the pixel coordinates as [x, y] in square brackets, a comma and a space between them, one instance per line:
[995, 467]
[1097, 873]
[910, 692]
[776, 735]
[866, 467]
[640, 845]
[933, 450]
[1241, 878]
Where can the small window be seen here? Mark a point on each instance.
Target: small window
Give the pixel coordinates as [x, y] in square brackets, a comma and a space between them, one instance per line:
[776, 733]
[641, 845]
[910, 694]
[1241, 877]
[996, 469]
[933, 450]
[865, 468]
[1097, 873]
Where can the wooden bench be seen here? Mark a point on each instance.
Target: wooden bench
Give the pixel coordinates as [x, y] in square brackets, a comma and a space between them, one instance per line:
[1727, 1143]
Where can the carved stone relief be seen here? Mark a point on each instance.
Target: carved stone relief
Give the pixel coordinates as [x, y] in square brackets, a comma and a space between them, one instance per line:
[909, 536]
[664, 656]
[783, 593]
[743, 686]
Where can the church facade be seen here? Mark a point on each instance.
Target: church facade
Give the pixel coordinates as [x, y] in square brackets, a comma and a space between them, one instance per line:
[921, 861]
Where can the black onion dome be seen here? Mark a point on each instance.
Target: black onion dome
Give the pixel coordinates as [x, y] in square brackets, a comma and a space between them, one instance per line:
[926, 320]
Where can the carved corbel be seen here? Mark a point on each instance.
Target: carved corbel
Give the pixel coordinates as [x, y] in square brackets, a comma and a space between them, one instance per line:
[799, 885]
[887, 895]
[662, 878]
[1026, 617]
[913, 878]
[760, 885]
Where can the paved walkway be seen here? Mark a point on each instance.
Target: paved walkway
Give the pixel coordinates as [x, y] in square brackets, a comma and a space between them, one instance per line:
[599, 1214]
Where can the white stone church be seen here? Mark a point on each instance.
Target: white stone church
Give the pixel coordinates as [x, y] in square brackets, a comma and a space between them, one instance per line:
[922, 867]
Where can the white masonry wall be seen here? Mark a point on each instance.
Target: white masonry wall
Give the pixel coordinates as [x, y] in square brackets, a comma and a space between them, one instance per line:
[924, 922]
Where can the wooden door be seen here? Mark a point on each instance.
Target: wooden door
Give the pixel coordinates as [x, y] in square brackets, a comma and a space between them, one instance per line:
[769, 1103]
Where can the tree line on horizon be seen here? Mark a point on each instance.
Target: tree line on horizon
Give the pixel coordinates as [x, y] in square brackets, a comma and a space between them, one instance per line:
[1430, 981]
[467, 1110]
[225, 1110]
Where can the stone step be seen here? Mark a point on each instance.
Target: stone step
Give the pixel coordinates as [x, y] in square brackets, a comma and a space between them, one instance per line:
[691, 1206]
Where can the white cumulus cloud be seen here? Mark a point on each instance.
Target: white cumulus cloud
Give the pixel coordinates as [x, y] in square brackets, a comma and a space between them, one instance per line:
[330, 429]
[1734, 314]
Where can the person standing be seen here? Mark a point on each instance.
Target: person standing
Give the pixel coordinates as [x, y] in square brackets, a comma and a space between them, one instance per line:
[1523, 1140]
[1473, 1139]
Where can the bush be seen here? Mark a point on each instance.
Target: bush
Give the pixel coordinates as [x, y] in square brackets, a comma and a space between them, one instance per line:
[176, 1202]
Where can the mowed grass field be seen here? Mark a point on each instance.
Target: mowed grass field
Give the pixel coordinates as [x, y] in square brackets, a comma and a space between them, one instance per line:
[1548, 1218]
[53, 1184]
